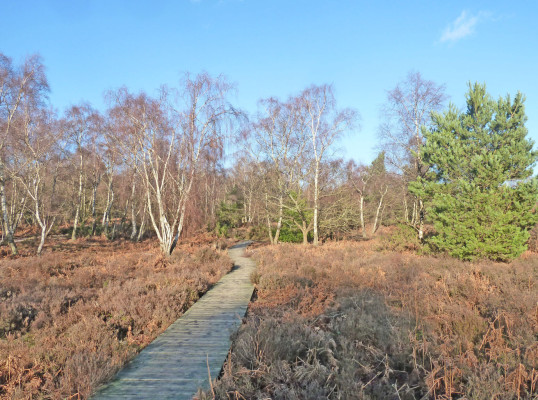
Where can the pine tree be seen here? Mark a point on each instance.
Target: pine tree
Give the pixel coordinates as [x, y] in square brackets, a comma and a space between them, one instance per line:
[480, 190]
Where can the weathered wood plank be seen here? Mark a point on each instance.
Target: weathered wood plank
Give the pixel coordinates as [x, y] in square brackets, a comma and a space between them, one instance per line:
[175, 364]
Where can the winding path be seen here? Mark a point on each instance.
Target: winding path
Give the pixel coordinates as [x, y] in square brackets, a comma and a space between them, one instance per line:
[176, 363]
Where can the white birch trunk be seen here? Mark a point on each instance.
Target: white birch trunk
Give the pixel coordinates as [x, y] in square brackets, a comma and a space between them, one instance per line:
[379, 206]
[316, 205]
[79, 200]
[7, 227]
[94, 211]
[361, 209]
[134, 229]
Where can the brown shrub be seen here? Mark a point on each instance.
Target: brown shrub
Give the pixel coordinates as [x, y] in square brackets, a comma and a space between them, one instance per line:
[345, 321]
[72, 317]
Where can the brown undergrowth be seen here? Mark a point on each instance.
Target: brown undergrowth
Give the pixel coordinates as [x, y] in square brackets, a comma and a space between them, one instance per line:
[345, 321]
[72, 317]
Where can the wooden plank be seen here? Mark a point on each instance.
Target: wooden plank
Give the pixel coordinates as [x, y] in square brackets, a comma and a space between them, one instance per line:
[175, 364]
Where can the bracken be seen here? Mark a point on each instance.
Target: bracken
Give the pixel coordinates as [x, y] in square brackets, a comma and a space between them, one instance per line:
[345, 321]
[71, 318]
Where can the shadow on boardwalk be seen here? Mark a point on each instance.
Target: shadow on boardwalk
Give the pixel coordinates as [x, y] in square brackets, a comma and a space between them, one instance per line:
[175, 364]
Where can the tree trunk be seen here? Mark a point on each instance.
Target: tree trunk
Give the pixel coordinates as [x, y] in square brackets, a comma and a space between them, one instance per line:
[133, 213]
[180, 216]
[42, 239]
[244, 219]
[179, 228]
[414, 215]
[268, 218]
[124, 216]
[142, 228]
[109, 194]
[103, 220]
[421, 221]
[250, 218]
[374, 228]
[83, 208]
[406, 211]
[362, 217]
[280, 216]
[79, 200]
[7, 227]
[113, 234]
[42, 222]
[19, 215]
[94, 212]
[316, 199]
[110, 200]
[382, 214]
[305, 230]
[160, 223]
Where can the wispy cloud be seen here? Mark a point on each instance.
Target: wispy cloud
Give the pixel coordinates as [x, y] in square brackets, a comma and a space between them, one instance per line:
[462, 27]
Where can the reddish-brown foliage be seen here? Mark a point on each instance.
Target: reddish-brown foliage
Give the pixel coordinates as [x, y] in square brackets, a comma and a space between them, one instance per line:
[347, 321]
[72, 317]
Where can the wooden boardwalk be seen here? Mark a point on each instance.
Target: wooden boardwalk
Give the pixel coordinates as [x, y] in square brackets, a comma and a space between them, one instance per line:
[175, 364]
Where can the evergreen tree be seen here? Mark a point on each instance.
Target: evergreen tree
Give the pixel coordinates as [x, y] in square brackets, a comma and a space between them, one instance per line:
[229, 213]
[377, 168]
[480, 191]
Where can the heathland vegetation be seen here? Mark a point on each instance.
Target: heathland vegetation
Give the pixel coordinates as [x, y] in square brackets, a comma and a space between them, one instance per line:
[355, 320]
[413, 276]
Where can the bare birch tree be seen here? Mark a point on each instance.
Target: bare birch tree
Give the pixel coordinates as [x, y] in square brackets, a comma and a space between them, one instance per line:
[80, 125]
[18, 85]
[380, 187]
[299, 212]
[168, 138]
[407, 111]
[326, 124]
[371, 184]
[338, 211]
[111, 160]
[96, 166]
[39, 160]
[278, 142]
[248, 180]
[202, 118]
[358, 177]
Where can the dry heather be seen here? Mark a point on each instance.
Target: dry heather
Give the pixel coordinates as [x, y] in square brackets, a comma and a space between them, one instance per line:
[71, 318]
[344, 321]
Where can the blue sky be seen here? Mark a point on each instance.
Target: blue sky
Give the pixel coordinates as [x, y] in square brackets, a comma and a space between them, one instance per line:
[279, 47]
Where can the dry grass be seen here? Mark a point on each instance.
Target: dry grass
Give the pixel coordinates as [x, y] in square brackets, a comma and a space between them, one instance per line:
[71, 318]
[346, 321]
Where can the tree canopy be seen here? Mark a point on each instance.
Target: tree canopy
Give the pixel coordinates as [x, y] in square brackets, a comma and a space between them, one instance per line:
[480, 193]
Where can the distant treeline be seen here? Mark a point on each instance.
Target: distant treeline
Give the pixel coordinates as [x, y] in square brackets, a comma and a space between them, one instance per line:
[155, 163]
